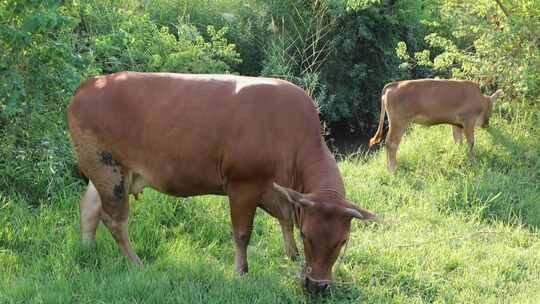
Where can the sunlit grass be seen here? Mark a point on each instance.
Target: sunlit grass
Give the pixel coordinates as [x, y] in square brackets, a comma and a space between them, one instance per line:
[455, 232]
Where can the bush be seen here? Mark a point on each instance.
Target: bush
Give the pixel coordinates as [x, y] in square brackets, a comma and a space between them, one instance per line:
[136, 43]
[361, 63]
[342, 53]
[494, 45]
[298, 45]
[40, 68]
[242, 18]
[38, 57]
[48, 48]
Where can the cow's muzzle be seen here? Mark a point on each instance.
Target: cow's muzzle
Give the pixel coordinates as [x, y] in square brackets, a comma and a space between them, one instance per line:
[316, 286]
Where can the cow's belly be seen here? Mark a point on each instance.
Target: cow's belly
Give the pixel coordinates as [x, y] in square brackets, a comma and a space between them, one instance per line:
[427, 120]
[179, 184]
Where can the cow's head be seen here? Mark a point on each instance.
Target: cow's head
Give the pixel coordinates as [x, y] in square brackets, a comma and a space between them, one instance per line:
[486, 114]
[324, 225]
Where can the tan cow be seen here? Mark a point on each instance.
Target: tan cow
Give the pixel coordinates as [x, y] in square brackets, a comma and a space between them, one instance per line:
[431, 102]
[256, 140]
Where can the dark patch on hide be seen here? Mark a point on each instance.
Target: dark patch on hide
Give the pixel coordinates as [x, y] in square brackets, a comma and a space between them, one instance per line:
[107, 159]
[119, 191]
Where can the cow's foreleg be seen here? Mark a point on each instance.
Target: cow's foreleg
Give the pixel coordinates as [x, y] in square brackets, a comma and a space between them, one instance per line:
[90, 208]
[287, 228]
[243, 199]
[469, 135]
[458, 134]
[283, 212]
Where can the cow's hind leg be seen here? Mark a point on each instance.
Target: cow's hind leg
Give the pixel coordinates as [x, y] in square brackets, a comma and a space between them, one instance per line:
[393, 139]
[111, 181]
[115, 216]
[114, 191]
[90, 209]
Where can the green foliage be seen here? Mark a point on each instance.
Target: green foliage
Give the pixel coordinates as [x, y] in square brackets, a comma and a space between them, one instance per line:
[244, 20]
[140, 46]
[134, 42]
[456, 232]
[476, 40]
[341, 53]
[361, 63]
[38, 61]
[47, 48]
[298, 44]
[39, 69]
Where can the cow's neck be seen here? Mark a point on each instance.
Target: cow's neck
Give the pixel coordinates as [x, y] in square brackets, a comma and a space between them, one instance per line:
[320, 175]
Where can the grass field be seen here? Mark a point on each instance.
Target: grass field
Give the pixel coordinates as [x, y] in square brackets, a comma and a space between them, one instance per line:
[456, 233]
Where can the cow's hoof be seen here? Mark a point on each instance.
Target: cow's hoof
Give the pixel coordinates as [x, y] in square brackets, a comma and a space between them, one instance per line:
[242, 270]
[293, 256]
[89, 244]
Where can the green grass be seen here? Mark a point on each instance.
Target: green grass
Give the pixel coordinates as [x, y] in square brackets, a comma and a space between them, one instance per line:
[456, 233]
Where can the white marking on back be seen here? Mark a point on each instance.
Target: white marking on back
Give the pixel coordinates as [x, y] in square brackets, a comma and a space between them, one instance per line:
[100, 83]
[241, 84]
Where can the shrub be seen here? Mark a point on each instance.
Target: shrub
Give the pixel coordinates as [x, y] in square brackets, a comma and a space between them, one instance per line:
[490, 43]
[38, 60]
[48, 48]
[136, 43]
[341, 52]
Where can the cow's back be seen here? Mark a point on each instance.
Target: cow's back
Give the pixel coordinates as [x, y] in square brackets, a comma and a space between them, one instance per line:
[433, 101]
[190, 134]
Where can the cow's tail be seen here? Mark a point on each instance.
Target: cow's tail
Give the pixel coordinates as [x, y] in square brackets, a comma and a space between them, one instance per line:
[378, 137]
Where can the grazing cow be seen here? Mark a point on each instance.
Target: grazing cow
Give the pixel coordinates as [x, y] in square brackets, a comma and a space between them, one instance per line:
[431, 102]
[256, 140]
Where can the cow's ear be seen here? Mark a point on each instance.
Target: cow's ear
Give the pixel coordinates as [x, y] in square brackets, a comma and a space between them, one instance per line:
[291, 196]
[360, 213]
[495, 96]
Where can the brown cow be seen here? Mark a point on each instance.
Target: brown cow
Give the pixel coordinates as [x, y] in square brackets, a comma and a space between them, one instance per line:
[188, 135]
[430, 102]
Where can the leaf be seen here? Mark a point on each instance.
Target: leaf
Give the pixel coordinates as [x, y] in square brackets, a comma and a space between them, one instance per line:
[11, 106]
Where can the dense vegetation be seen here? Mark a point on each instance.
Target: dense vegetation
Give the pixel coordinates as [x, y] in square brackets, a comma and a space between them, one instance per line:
[458, 232]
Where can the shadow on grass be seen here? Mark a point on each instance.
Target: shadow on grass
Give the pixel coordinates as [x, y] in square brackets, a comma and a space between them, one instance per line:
[188, 242]
[519, 153]
[381, 279]
[205, 220]
[504, 183]
[178, 277]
